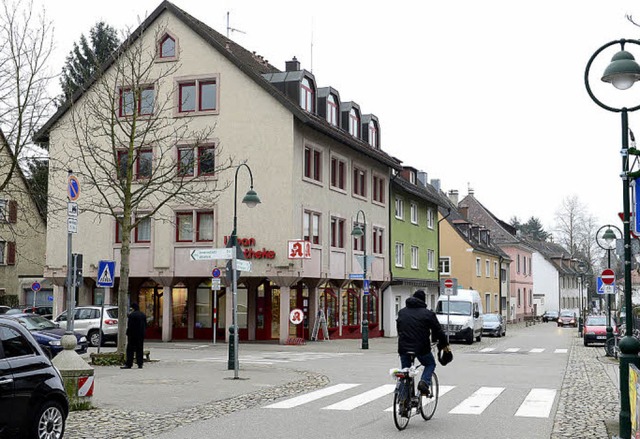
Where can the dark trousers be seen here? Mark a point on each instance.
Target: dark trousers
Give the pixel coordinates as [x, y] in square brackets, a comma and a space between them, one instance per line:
[135, 345]
[427, 360]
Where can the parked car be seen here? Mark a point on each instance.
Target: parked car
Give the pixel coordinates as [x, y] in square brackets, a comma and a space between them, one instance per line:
[4, 309]
[595, 329]
[494, 325]
[550, 316]
[33, 402]
[47, 334]
[86, 321]
[568, 318]
[44, 311]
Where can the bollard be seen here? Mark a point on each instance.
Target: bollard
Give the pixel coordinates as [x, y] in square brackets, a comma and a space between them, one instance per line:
[77, 375]
[365, 334]
[231, 364]
[580, 326]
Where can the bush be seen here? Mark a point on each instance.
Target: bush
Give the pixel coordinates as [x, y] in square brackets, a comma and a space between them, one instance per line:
[107, 359]
[9, 300]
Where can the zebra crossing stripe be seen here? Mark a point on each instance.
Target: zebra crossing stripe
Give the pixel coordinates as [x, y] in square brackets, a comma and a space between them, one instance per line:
[487, 349]
[363, 398]
[560, 351]
[312, 396]
[443, 391]
[537, 404]
[536, 350]
[512, 350]
[478, 402]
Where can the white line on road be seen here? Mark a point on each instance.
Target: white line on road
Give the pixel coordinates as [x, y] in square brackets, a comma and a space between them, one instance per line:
[363, 398]
[512, 350]
[487, 349]
[536, 350]
[443, 391]
[478, 402]
[312, 396]
[560, 351]
[537, 404]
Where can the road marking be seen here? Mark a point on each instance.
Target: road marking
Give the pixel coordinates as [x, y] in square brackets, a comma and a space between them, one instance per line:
[536, 350]
[560, 351]
[478, 402]
[312, 396]
[363, 398]
[487, 349]
[443, 391]
[537, 404]
[512, 350]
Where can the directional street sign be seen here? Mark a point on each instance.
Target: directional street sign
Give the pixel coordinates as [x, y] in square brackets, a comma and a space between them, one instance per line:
[356, 276]
[203, 254]
[106, 274]
[243, 265]
[608, 276]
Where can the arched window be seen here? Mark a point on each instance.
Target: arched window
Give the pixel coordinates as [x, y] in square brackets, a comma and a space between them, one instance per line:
[350, 307]
[354, 123]
[306, 95]
[167, 47]
[371, 301]
[332, 110]
[329, 303]
[373, 134]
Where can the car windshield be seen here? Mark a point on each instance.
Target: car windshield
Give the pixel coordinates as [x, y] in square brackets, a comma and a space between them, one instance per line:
[454, 308]
[597, 321]
[36, 322]
[567, 314]
[491, 318]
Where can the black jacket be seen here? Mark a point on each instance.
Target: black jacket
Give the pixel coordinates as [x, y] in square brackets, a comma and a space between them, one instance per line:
[416, 326]
[136, 325]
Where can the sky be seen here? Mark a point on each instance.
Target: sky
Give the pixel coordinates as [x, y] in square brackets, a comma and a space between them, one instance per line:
[484, 95]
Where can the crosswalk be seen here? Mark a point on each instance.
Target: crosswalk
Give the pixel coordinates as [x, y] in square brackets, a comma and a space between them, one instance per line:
[538, 403]
[271, 358]
[514, 350]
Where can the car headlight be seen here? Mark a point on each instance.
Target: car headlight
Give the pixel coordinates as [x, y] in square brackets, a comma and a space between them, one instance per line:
[83, 339]
[55, 343]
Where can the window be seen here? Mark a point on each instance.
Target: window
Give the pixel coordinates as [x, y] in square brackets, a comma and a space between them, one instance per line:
[306, 95]
[520, 297]
[487, 302]
[354, 123]
[338, 173]
[399, 208]
[185, 228]
[143, 231]
[445, 265]
[203, 164]
[143, 103]
[518, 264]
[378, 240]
[373, 134]
[414, 213]
[399, 254]
[431, 259]
[371, 306]
[431, 217]
[414, 256]
[478, 268]
[3, 251]
[329, 303]
[8, 211]
[118, 233]
[487, 268]
[144, 163]
[495, 269]
[312, 163]
[358, 242]
[350, 307]
[167, 47]
[337, 232]
[332, 110]
[3, 210]
[14, 344]
[198, 95]
[378, 189]
[311, 227]
[359, 182]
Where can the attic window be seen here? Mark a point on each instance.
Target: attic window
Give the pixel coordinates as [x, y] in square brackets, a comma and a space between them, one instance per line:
[373, 134]
[354, 123]
[306, 95]
[332, 110]
[168, 47]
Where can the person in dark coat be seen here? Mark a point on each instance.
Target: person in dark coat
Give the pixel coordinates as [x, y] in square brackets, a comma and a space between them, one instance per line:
[417, 326]
[136, 326]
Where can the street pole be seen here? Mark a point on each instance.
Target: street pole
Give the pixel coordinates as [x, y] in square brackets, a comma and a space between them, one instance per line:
[361, 232]
[71, 288]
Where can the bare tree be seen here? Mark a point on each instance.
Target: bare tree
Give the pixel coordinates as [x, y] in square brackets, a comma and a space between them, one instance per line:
[135, 158]
[569, 221]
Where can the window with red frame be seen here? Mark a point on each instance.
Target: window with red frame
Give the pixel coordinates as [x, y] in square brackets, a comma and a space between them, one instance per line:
[378, 189]
[167, 47]
[359, 182]
[184, 227]
[358, 241]
[198, 95]
[306, 95]
[203, 164]
[144, 164]
[204, 223]
[372, 306]
[143, 104]
[311, 227]
[354, 123]
[378, 240]
[143, 231]
[329, 303]
[350, 307]
[338, 173]
[337, 232]
[203, 228]
[312, 163]
[373, 134]
[332, 110]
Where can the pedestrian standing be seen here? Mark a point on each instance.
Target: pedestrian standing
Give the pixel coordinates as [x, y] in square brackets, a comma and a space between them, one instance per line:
[136, 326]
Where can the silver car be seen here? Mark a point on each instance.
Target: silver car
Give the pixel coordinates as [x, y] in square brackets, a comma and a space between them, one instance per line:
[86, 321]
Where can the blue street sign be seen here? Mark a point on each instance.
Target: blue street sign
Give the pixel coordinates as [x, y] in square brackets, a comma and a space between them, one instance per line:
[216, 273]
[366, 287]
[106, 274]
[73, 188]
[602, 285]
[636, 205]
[600, 290]
[35, 286]
[356, 276]
[50, 298]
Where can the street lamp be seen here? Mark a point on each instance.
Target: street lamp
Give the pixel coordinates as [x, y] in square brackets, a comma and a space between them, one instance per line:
[606, 239]
[357, 232]
[582, 269]
[251, 200]
[622, 72]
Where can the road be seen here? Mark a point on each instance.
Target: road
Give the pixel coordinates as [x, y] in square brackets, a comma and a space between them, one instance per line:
[503, 387]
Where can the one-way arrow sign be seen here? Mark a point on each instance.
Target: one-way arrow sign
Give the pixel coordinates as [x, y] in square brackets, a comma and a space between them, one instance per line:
[203, 254]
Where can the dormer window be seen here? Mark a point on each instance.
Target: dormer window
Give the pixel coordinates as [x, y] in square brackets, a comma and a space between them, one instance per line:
[168, 47]
[306, 95]
[354, 123]
[373, 134]
[332, 110]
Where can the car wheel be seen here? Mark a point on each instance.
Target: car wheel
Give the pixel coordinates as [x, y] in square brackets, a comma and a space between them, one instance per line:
[49, 422]
[469, 340]
[94, 338]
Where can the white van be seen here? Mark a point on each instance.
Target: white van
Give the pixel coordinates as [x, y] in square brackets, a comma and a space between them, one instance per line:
[462, 313]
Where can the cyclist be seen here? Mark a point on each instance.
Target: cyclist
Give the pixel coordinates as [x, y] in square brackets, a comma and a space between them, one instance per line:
[417, 326]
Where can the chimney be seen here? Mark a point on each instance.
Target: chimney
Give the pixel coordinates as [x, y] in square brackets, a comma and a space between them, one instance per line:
[435, 182]
[422, 178]
[453, 196]
[293, 65]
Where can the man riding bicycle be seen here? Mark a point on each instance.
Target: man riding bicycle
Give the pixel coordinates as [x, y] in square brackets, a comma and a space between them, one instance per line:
[417, 326]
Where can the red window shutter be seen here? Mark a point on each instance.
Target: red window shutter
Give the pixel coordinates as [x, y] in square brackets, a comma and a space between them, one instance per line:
[11, 253]
[13, 211]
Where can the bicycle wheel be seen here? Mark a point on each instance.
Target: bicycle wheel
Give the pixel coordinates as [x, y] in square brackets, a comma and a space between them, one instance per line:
[428, 405]
[609, 347]
[401, 406]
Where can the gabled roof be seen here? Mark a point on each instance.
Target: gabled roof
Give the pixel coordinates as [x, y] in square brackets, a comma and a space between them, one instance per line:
[554, 253]
[252, 65]
[424, 192]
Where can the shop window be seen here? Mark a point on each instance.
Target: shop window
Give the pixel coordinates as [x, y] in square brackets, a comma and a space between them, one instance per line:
[349, 307]
[204, 307]
[372, 306]
[179, 303]
[329, 303]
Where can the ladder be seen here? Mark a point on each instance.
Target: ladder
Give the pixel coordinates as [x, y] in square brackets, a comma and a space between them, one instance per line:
[320, 320]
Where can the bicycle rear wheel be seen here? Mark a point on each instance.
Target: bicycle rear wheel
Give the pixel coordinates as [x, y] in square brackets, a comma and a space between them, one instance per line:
[609, 348]
[401, 406]
[428, 405]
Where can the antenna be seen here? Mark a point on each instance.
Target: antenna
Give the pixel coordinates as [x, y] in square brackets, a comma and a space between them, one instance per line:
[311, 44]
[229, 28]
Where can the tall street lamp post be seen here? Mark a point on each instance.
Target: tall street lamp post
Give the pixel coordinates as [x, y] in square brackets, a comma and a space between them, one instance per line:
[357, 232]
[606, 238]
[251, 200]
[582, 268]
[622, 72]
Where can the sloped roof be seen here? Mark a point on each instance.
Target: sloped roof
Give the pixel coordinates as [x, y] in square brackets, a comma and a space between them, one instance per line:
[554, 253]
[424, 192]
[250, 64]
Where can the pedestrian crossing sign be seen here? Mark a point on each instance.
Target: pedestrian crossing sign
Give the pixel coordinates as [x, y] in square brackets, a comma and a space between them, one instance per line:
[106, 271]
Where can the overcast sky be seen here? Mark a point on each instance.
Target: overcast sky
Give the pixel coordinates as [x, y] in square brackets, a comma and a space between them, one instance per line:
[482, 94]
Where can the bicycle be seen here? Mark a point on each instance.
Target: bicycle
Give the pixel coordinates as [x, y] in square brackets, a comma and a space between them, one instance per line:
[611, 348]
[408, 400]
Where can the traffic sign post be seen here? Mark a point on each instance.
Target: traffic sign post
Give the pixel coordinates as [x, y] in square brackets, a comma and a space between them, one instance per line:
[449, 286]
[608, 276]
[35, 287]
[106, 278]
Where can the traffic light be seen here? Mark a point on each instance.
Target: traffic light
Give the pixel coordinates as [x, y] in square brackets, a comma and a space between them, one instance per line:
[77, 268]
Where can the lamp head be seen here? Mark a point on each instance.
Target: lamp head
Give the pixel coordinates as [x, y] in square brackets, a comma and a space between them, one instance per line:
[251, 199]
[357, 231]
[609, 237]
[623, 70]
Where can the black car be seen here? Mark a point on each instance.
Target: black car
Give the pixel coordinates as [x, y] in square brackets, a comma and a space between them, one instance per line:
[550, 316]
[44, 311]
[47, 333]
[4, 309]
[33, 402]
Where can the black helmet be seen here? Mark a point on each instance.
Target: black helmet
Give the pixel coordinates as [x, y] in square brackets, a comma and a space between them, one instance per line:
[445, 356]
